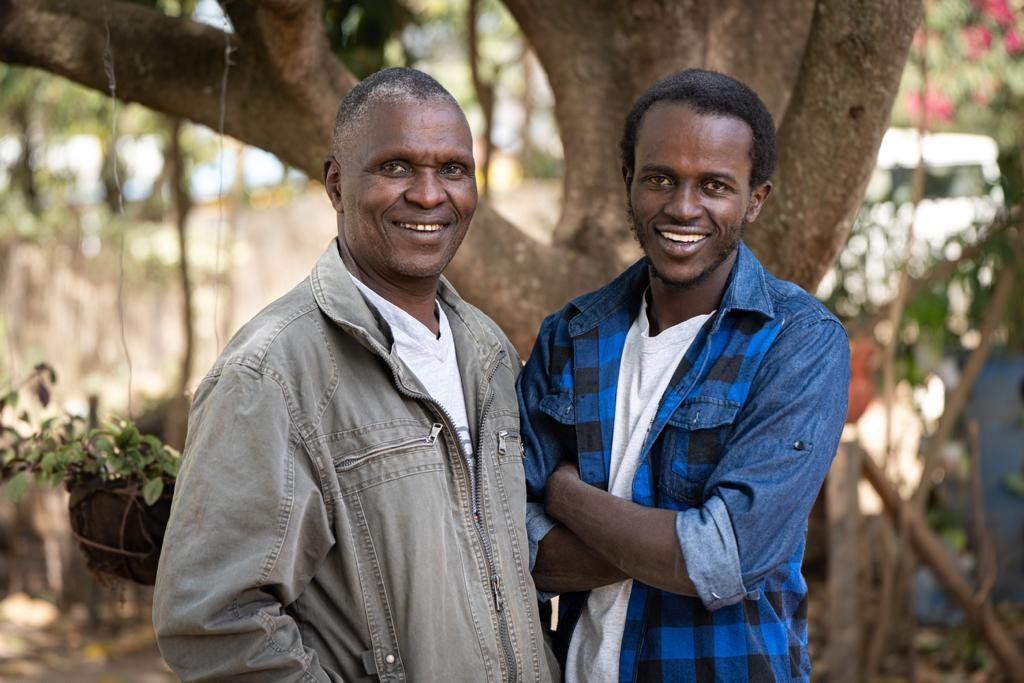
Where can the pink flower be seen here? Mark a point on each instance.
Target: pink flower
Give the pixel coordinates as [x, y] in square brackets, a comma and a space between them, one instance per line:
[937, 105]
[997, 10]
[1013, 42]
[977, 39]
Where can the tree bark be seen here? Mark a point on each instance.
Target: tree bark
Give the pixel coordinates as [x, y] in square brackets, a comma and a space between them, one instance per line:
[829, 137]
[827, 69]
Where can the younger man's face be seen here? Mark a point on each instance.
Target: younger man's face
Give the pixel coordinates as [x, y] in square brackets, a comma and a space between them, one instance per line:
[689, 194]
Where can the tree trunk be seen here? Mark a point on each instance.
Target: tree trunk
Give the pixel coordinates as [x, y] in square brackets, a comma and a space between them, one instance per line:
[827, 69]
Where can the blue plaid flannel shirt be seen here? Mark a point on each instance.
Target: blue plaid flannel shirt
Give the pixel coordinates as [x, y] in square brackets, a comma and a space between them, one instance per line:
[740, 445]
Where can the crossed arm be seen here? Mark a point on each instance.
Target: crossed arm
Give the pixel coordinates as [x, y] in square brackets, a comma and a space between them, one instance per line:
[756, 501]
[603, 539]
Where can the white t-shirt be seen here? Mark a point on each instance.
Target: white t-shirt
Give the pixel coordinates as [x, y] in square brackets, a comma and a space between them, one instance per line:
[646, 368]
[432, 359]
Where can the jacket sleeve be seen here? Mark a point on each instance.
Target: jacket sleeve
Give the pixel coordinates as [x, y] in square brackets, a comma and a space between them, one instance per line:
[758, 498]
[247, 531]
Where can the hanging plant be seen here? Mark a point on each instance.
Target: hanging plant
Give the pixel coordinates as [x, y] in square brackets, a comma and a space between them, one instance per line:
[120, 480]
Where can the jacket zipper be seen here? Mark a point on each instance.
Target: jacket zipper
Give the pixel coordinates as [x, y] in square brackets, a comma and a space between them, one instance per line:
[494, 578]
[499, 600]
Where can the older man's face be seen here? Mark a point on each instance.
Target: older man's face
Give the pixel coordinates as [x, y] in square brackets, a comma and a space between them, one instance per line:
[406, 190]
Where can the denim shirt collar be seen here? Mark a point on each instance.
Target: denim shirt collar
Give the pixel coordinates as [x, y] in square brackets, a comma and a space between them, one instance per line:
[341, 301]
[747, 290]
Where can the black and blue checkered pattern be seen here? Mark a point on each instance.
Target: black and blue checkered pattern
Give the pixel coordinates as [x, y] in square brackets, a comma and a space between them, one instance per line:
[771, 367]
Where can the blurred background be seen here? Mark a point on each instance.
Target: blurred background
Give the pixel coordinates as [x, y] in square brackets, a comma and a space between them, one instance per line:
[134, 240]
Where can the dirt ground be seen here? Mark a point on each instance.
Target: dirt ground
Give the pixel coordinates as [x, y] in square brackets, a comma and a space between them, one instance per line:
[39, 643]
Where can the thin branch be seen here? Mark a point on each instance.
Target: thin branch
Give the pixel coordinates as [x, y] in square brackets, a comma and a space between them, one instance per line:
[929, 549]
[972, 368]
[983, 548]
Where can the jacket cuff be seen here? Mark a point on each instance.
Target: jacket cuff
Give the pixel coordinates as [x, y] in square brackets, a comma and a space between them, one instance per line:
[712, 558]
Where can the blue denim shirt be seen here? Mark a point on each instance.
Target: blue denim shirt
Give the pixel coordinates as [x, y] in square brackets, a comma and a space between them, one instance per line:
[740, 444]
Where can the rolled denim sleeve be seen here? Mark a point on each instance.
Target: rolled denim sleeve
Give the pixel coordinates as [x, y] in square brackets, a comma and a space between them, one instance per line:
[708, 542]
[247, 531]
[758, 498]
[538, 525]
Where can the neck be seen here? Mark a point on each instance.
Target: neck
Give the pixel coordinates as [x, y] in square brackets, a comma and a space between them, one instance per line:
[672, 304]
[416, 297]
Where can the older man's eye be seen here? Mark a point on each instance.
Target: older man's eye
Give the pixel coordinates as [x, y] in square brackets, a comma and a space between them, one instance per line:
[659, 180]
[716, 186]
[453, 170]
[394, 168]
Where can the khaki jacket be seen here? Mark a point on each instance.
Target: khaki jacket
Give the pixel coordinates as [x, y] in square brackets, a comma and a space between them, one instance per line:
[322, 529]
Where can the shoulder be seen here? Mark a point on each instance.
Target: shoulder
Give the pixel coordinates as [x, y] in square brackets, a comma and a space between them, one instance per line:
[288, 327]
[796, 309]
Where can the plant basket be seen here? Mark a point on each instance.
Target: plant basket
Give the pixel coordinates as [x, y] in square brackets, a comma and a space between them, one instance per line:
[117, 531]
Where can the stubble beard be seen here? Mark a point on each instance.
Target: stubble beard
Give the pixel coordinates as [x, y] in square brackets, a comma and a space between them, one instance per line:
[724, 253]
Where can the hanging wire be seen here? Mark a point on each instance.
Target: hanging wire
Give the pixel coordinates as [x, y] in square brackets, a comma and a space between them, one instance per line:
[228, 49]
[108, 67]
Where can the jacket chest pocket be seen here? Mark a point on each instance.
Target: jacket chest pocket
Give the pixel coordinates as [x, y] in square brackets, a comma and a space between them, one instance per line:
[691, 446]
[378, 453]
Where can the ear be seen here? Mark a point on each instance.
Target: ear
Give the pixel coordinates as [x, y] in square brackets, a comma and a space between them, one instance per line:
[332, 181]
[627, 178]
[758, 197]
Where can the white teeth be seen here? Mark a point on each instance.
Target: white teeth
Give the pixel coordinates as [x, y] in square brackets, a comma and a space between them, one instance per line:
[421, 227]
[688, 239]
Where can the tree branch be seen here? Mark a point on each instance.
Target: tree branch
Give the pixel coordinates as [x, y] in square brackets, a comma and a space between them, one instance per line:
[829, 137]
[176, 66]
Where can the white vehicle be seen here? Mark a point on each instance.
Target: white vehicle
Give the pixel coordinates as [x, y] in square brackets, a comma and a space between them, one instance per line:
[961, 185]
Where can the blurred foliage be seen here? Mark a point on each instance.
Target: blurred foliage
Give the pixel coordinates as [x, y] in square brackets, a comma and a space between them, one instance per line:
[971, 56]
[359, 31]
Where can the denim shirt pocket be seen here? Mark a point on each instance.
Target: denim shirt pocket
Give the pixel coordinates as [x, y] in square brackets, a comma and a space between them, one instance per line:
[559, 407]
[691, 446]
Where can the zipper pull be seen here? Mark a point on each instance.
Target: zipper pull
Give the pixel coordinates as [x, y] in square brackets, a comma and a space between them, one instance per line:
[501, 441]
[435, 429]
[499, 602]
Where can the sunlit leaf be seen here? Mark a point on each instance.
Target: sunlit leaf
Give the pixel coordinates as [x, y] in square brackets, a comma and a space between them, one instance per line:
[152, 490]
[17, 486]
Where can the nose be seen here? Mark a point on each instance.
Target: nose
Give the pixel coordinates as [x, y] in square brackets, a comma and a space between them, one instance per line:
[426, 190]
[684, 205]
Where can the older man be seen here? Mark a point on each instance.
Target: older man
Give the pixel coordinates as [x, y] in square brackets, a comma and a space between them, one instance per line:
[351, 501]
[678, 422]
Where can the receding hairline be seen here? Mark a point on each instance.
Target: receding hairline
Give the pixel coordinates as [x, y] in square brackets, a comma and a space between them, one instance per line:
[387, 87]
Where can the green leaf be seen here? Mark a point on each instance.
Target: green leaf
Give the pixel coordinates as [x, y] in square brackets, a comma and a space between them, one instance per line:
[1014, 483]
[17, 486]
[11, 399]
[152, 490]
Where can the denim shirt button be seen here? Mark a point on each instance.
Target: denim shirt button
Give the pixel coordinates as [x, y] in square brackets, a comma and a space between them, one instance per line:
[799, 446]
[389, 658]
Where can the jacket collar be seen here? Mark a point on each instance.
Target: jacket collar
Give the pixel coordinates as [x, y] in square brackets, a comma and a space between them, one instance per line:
[746, 290]
[341, 301]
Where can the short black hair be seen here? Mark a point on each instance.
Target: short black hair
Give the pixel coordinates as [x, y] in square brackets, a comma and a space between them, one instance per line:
[396, 84]
[708, 92]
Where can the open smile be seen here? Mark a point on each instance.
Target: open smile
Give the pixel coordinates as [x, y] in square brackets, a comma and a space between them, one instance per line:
[421, 227]
[681, 243]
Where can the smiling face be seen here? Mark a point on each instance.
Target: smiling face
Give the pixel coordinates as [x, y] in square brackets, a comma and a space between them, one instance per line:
[690, 196]
[404, 192]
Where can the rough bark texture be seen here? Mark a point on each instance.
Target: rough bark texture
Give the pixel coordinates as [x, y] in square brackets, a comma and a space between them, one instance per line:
[828, 70]
[830, 134]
